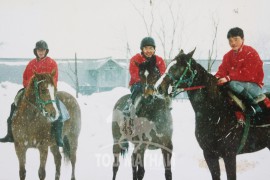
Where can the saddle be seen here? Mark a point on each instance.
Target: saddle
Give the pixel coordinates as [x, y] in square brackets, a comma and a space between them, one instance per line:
[240, 109]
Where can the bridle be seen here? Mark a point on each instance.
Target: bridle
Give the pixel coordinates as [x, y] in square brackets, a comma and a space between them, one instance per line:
[189, 81]
[40, 102]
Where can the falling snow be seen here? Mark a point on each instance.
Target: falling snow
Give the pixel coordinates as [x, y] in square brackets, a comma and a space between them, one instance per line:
[95, 158]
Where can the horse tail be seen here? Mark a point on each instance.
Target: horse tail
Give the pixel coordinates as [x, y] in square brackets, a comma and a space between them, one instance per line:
[66, 149]
[124, 147]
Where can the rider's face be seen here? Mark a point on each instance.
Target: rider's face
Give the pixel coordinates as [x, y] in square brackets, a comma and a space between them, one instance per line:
[41, 53]
[236, 42]
[148, 51]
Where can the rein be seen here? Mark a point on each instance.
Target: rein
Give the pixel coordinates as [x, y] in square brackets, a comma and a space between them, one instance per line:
[193, 88]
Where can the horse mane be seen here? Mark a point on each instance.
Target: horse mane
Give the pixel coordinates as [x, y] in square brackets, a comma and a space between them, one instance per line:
[151, 67]
[209, 81]
[153, 70]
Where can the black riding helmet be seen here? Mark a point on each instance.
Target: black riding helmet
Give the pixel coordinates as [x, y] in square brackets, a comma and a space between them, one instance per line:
[148, 41]
[41, 45]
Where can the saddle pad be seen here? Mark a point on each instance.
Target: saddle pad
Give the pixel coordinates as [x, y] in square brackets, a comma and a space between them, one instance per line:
[64, 111]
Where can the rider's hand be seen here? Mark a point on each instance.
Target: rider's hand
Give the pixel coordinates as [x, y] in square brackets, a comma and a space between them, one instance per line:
[221, 81]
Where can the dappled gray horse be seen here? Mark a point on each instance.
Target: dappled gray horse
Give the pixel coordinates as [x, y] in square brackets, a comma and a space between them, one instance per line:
[149, 127]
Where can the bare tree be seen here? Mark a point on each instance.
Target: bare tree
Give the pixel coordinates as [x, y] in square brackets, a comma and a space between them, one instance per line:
[72, 73]
[128, 54]
[213, 51]
[147, 23]
[76, 77]
[166, 28]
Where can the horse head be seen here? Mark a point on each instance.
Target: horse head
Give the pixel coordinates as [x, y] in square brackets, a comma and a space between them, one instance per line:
[149, 74]
[41, 93]
[179, 74]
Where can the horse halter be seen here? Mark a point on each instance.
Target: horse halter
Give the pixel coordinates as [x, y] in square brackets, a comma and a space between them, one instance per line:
[181, 80]
[40, 102]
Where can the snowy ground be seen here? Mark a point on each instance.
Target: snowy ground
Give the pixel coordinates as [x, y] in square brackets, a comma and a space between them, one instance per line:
[94, 157]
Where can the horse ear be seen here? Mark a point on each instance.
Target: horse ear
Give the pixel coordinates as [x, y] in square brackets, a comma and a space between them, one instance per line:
[191, 53]
[181, 51]
[178, 55]
[53, 73]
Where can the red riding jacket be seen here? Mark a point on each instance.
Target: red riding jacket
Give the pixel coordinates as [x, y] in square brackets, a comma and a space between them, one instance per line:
[134, 69]
[45, 65]
[245, 66]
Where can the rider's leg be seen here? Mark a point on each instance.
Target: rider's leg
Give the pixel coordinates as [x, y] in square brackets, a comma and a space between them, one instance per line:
[57, 127]
[247, 92]
[136, 89]
[9, 136]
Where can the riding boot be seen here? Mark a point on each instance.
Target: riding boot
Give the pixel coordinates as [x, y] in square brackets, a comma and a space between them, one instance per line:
[251, 105]
[57, 127]
[127, 108]
[9, 136]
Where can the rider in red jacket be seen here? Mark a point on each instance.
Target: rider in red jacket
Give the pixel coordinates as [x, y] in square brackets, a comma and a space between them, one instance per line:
[245, 66]
[134, 69]
[242, 68]
[41, 64]
[44, 65]
[146, 56]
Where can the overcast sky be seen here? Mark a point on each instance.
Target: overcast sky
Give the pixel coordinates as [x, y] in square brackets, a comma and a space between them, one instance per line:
[102, 28]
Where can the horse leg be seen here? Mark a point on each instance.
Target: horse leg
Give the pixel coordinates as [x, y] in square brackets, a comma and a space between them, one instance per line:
[167, 156]
[21, 154]
[138, 146]
[73, 157]
[213, 164]
[137, 161]
[57, 160]
[116, 163]
[230, 165]
[43, 151]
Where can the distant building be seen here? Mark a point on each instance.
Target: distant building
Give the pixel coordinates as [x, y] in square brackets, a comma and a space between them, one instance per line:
[94, 75]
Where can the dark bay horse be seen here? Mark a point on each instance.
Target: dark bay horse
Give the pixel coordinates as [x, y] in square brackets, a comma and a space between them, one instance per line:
[150, 128]
[217, 131]
[32, 125]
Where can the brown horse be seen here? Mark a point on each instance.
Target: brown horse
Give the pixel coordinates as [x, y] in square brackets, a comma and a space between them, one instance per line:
[150, 128]
[217, 131]
[32, 125]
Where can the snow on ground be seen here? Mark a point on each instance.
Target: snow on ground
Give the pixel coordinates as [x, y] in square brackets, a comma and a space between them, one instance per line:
[95, 158]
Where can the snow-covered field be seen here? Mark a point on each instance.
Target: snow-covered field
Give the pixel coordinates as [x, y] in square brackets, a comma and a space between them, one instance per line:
[95, 158]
